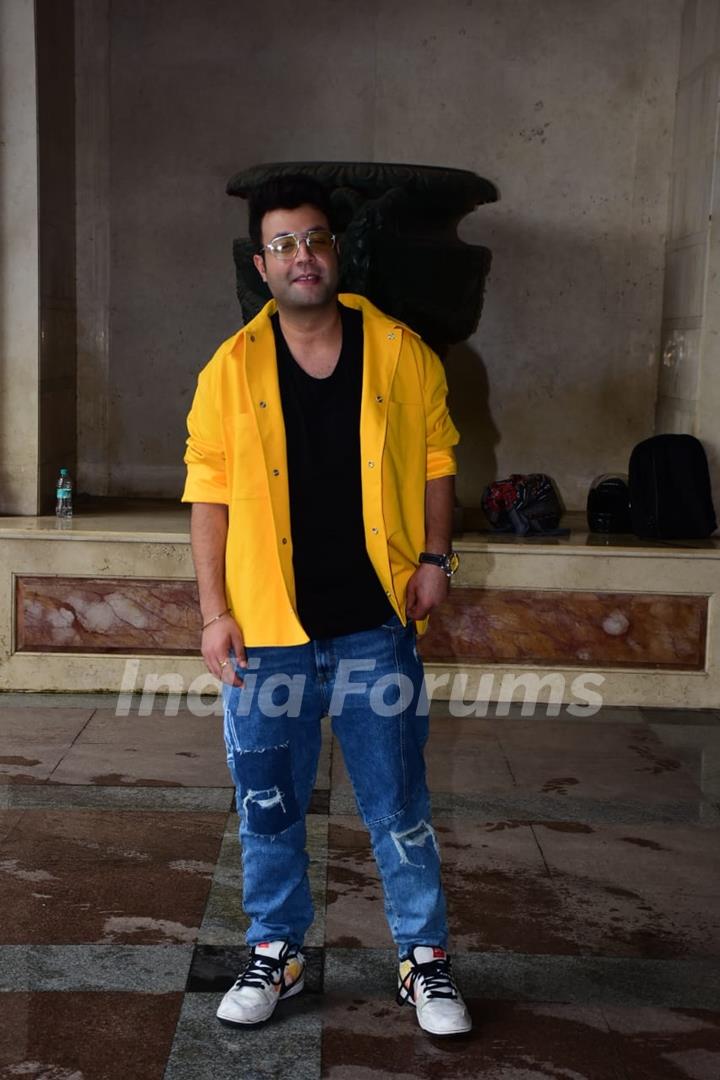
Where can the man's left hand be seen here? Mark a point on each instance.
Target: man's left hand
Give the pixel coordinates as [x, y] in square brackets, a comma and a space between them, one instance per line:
[427, 588]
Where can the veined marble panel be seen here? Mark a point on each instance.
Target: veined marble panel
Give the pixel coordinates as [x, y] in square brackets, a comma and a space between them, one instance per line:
[546, 626]
[108, 615]
[477, 625]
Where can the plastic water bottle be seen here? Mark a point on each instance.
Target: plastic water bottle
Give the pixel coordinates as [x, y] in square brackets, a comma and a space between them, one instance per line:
[63, 493]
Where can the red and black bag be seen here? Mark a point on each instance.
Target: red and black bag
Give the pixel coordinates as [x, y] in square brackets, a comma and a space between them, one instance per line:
[526, 504]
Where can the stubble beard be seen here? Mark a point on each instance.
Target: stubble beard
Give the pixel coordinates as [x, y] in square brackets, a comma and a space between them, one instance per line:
[303, 298]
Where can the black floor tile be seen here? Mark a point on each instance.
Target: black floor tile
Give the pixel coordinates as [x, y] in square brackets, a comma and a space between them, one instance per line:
[214, 968]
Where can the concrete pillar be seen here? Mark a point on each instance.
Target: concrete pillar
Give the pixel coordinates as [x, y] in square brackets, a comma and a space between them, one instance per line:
[19, 261]
[37, 252]
[689, 384]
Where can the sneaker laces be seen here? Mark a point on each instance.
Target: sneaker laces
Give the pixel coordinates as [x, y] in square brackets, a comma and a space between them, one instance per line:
[437, 980]
[261, 971]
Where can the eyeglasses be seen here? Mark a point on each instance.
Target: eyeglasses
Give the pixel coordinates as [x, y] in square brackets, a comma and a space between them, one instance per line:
[288, 245]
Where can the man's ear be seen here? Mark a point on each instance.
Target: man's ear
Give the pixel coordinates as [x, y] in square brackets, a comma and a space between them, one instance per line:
[259, 262]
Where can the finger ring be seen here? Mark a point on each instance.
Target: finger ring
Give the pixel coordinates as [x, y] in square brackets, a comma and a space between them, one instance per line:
[224, 663]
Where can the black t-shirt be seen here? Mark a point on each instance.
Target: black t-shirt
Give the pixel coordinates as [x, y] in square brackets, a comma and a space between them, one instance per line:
[337, 589]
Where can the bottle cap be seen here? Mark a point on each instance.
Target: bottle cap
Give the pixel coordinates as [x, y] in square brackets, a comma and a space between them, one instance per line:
[63, 472]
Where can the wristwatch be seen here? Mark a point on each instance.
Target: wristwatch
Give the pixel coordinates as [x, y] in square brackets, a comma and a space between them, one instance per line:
[449, 561]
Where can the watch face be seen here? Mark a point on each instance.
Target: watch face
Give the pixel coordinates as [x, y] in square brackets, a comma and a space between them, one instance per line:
[453, 562]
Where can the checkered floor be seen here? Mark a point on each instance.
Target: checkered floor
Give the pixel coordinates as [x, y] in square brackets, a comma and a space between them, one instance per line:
[581, 864]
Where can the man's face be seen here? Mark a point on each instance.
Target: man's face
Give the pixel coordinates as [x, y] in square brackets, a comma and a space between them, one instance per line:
[310, 279]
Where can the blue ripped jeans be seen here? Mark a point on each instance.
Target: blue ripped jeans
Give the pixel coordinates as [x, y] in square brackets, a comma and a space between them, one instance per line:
[371, 685]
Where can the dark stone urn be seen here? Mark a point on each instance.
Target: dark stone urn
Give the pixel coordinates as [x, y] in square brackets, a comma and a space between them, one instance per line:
[399, 246]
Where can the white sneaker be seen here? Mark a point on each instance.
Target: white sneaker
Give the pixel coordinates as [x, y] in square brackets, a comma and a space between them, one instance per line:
[275, 970]
[425, 980]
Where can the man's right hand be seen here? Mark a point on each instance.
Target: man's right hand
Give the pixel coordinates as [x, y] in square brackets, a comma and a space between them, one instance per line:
[217, 640]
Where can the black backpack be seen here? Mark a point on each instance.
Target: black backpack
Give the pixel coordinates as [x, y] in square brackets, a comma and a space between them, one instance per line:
[670, 493]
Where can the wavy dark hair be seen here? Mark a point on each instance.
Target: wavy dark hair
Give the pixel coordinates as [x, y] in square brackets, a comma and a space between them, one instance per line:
[284, 193]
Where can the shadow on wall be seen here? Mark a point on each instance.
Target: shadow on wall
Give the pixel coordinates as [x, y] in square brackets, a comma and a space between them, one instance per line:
[571, 329]
[469, 401]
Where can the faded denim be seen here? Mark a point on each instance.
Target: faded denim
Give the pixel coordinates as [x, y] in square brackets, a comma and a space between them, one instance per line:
[272, 736]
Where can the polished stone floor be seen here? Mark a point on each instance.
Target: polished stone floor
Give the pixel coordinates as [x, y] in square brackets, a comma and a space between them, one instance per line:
[582, 870]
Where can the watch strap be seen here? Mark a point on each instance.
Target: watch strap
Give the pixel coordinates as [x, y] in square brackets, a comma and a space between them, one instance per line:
[432, 558]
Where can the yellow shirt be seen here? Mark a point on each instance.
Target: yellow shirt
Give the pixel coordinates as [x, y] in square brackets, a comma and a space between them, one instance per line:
[236, 455]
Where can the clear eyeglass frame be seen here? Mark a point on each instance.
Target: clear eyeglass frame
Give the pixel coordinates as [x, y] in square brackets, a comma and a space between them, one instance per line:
[288, 245]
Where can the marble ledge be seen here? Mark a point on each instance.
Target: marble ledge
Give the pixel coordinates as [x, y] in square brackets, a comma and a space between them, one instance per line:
[170, 522]
[164, 526]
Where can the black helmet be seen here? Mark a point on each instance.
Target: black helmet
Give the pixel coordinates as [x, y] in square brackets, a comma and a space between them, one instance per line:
[608, 504]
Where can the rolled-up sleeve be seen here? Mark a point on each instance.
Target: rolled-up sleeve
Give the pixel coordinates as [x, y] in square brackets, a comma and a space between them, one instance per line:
[205, 454]
[441, 433]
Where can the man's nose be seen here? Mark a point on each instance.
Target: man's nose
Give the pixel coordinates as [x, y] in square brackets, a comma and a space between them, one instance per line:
[308, 253]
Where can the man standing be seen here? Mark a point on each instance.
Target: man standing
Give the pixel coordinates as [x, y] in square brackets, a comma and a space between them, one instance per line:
[320, 468]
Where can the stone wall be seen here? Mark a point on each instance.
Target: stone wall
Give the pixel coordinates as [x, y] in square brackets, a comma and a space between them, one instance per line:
[566, 105]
